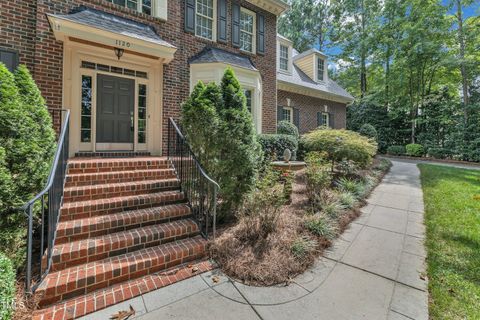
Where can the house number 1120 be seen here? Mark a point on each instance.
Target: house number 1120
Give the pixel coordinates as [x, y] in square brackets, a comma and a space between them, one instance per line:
[122, 43]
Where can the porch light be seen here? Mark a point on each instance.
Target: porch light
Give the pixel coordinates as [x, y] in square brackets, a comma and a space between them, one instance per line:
[118, 52]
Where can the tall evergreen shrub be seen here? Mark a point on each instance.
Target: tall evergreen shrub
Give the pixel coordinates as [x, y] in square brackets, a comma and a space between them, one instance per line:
[239, 151]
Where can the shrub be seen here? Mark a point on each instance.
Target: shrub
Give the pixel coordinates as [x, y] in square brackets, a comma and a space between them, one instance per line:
[7, 289]
[320, 226]
[439, 153]
[261, 209]
[200, 123]
[340, 145]
[414, 150]
[351, 186]
[368, 131]
[303, 246]
[240, 154]
[347, 199]
[317, 174]
[273, 145]
[286, 127]
[396, 150]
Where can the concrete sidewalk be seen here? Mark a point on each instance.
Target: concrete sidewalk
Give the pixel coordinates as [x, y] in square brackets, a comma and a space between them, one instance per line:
[375, 270]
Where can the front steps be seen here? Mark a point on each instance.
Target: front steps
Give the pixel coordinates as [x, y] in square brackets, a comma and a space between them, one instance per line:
[124, 222]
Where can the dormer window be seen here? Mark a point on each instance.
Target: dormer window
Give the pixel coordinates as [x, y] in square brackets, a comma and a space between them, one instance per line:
[284, 57]
[320, 69]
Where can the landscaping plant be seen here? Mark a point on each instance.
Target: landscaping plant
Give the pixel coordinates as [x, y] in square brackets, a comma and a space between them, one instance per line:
[396, 150]
[414, 150]
[368, 131]
[273, 145]
[341, 145]
[288, 128]
[7, 289]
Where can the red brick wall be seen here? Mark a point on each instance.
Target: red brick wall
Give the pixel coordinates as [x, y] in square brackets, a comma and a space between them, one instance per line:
[48, 53]
[309, 106]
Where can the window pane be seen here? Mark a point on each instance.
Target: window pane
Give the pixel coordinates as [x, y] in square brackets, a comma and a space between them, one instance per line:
[142, 113]
[204, 19]
[132, 4]
[321, 68]
[86, 106]
[246, 31]
[147, 7]
[284, 58]
[248, 96]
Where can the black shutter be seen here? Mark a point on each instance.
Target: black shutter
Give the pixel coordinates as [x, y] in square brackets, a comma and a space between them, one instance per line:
[235, 25]
[9, 58]
[331, 121]
[260, 34]
[222, 21]
[296, 117]
[190, 16]
[279, 114]
[319, 119]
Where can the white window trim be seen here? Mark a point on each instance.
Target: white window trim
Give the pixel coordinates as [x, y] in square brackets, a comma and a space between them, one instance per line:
[254, 31]
[324, 69]
[214, 22]
[326, 115]
[281, 42]
[280, 57]
[290, 110]
[158, 8]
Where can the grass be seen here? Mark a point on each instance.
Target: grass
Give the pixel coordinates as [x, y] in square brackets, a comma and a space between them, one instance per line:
[452, 203]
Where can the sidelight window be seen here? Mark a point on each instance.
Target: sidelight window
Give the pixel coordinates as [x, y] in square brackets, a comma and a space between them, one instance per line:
[142, 113]
[86, 117]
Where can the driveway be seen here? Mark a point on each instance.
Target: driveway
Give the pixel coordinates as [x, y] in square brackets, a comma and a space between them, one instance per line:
[375, 270]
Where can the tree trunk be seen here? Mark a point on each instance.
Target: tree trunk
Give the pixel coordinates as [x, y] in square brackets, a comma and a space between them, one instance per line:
[363, 55]
[463, 71]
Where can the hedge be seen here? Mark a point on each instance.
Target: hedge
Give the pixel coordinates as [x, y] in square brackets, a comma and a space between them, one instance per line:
[286, 127]
[7, 289]
[415, 150]
[275, 144]
[396, 150]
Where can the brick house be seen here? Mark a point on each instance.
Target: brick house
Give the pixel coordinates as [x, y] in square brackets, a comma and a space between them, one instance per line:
[123, 67]
[306, 96]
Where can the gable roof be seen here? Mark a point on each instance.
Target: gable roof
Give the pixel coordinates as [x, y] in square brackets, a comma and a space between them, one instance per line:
[215, 55]
[112, 23]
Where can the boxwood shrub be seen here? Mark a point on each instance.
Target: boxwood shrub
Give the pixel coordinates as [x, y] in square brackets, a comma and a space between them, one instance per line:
[415, 150]
[275, 144]
[396, 150]
[286, 127]
[7, 289]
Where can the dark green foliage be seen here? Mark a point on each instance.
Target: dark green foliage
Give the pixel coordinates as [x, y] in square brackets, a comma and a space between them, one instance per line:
[414, 150]
[273, 145]
[368, 131]
[200, 123]
[240, 153]
[7, 289]
[286, 127]
[27, 143]
[396, 150]
[341, 145]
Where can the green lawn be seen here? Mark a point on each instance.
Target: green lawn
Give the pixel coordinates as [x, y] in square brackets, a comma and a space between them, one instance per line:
[453, 241]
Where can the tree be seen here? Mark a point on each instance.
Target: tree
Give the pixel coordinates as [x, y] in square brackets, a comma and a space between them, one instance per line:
[239, 152]
[306, 24]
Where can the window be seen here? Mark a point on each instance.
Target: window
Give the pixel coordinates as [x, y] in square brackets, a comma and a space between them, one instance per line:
[283, 57]
[144, 6]
[320, 69]
[247, 30]
[86, 117]
[204, 19]
[323, 119]
[287, 114]
[142, 113]
[9, 58]
[248, 95]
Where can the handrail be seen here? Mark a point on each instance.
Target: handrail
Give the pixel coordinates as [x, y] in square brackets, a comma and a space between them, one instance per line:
[49, 202]
[200, 189]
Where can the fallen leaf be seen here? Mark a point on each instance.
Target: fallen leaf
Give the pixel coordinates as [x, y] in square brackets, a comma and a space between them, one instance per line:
[189, 266]
[194, 269]
[215, 279]
[123, 315]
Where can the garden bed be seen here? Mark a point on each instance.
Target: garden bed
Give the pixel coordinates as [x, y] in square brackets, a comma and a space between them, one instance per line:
[430, 159]
[266, 251]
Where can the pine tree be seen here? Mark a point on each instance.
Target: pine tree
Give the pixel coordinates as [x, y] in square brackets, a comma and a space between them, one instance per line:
[239, 151]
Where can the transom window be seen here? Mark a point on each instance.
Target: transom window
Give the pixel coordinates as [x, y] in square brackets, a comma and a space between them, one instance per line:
[248, 95]
[144, 6]
[204, 19]
[320, 69]
[247, 30]
[283, 57]
[287, 114]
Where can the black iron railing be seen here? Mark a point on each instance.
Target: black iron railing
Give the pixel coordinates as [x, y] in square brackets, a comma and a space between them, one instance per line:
[43, 214]
[200, 190]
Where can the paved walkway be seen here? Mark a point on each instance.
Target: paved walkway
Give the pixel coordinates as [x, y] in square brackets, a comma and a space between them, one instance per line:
[375, 270]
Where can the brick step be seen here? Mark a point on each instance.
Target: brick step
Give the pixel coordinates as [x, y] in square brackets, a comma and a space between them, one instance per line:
[100, 299]
[110, 245]
[90, 165]
[84, 179]
[94, 208]
[73, 230]
[112, 190]
[83, 279]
